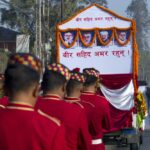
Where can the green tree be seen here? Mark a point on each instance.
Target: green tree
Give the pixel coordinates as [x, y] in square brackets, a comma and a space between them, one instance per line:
[20, 15]
[70, 8]
[3, 60]
[138, 10]
[144, 69]
[99, 2]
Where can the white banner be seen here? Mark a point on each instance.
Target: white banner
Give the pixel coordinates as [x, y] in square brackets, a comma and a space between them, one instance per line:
[95, 17]
[108, 59]
[22, 44]
[112, 48]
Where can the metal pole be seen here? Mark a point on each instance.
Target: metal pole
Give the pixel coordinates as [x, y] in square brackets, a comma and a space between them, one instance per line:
[48, 14]
[40, 30]
[62, 9]
[36, 26]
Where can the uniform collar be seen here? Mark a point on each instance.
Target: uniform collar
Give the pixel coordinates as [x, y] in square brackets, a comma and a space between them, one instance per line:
[88, 93]
[20, 106]
[2, 106]
[72, 98]
[51, 97]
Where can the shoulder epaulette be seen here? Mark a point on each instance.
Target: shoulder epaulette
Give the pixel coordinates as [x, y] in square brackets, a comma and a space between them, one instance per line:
[89, 103]
[55, 120]
[2, 106]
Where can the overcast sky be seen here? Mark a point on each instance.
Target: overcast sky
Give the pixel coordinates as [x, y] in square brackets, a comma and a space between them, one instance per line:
[119, 6]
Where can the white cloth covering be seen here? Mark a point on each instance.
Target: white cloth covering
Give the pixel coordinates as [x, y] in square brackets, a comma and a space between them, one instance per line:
[123, 98]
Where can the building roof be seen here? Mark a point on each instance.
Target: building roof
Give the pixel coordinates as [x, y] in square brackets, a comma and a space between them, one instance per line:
[7, 34]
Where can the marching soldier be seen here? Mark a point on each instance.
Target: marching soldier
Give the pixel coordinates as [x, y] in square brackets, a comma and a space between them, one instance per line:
[74, 88]
[54, 87]
[21, 127]
[101, 115]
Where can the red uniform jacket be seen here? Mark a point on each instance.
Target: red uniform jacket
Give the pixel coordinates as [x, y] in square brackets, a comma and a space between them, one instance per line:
[22, 128]
[3, 101]
[72, 116]
[87, 106]
[100, 118]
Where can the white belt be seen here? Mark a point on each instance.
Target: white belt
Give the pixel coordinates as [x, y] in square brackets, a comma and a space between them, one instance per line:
[96, 141]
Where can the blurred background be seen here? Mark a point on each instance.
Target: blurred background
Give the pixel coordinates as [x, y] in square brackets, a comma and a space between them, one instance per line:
[32, 22]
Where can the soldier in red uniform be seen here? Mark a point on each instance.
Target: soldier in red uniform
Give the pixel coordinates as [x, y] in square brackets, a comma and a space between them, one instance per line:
[54, 87]
[74, 88]
[3, 102]
[21, 127]
[101, 114]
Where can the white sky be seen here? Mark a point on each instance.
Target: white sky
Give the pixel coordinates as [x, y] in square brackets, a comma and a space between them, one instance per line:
[119, 6]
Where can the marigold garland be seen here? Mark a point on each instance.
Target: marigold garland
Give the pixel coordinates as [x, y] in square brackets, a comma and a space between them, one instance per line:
[100, 39]
[135, 63]
[141, 109]
[92, 41]
[72, 44]
[127, 41]
[96, 34]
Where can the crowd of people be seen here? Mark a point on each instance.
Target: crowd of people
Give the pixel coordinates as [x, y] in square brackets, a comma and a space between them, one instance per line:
[63, 112]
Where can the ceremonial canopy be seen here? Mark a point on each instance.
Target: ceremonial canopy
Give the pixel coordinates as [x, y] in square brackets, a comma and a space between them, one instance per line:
[97, 37]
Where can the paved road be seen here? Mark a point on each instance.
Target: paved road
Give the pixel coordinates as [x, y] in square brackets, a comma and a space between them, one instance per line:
[146, 141]
[144, 146]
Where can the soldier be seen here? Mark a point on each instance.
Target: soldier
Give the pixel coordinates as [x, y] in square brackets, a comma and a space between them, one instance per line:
[101, 115]
[21, 127]
[54, 86]
[74, 88]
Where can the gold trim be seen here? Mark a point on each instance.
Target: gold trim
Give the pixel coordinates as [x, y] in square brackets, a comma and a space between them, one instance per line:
[79, 104]
[48, 98]
[73, 97]
[52, 95]
[2, 106]
[55, 120]
[75, 102]
[88, 93]
[19, 108]
[89, 103]
[21, 103]
[72, 101]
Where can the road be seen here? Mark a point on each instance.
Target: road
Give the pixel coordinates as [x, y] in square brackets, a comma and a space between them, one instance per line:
[144, 146]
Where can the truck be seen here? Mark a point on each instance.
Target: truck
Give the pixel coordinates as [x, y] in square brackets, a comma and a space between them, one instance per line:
[98, 37]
